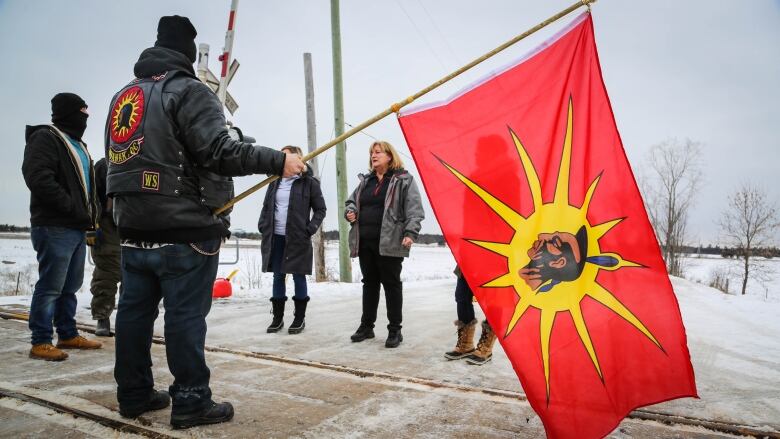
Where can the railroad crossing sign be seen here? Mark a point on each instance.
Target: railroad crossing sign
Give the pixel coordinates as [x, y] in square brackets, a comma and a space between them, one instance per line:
[219, 86]
[205, 75]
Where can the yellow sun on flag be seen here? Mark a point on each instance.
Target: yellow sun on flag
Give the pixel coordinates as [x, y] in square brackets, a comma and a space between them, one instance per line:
[554, 257]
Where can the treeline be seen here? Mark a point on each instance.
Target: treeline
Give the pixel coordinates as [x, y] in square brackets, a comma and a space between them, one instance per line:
[333, 235]
[729, 252]
[10, 228]
[426, 238]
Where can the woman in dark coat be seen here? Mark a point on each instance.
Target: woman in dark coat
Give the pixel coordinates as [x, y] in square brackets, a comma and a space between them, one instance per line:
[293, 210]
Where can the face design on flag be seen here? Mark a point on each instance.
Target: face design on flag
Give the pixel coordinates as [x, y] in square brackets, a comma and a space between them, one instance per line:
[557, 257]
[554, 256]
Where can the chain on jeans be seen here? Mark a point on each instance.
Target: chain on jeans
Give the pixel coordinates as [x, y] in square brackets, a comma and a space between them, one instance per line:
[205, 253]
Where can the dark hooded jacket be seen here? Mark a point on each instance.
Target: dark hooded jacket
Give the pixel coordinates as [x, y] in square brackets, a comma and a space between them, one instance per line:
[57, 196]
[304, 216]
[166, 186]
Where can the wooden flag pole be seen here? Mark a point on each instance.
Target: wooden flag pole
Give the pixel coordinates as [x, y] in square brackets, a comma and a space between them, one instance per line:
[396, 107]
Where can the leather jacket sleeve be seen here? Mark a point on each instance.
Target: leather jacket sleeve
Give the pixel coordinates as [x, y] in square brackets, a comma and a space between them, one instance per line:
[202, 128]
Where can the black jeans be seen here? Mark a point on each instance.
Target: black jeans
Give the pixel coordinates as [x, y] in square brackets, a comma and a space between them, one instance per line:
[384, 270]
[464, 300]
[183, 278]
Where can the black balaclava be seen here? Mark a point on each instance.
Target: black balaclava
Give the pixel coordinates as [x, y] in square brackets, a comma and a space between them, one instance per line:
[177, 33]
[66, 114]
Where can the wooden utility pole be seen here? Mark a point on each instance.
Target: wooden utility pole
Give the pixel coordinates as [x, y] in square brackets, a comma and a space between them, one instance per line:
[345, 265]
[311, 136]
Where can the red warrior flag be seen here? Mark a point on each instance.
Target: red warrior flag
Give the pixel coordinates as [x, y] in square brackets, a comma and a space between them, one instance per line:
[528, 179]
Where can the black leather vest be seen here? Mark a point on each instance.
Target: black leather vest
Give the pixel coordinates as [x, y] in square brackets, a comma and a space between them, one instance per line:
[147, 159]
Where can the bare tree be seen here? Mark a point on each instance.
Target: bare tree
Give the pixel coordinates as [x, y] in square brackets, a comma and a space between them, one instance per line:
[749, 222]
[669, 184]
[253, 272]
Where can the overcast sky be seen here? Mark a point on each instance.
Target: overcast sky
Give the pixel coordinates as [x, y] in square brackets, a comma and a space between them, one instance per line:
[709, 71]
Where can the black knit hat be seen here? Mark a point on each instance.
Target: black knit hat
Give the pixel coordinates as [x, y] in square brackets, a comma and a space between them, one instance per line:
[65, 104]
[177, 33]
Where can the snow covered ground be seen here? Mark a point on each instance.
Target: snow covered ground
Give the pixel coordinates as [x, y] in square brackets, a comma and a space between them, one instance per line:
[734, 340]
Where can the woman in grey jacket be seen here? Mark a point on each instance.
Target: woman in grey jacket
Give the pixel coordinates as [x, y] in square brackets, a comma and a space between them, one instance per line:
[293, 210]
[385, 212]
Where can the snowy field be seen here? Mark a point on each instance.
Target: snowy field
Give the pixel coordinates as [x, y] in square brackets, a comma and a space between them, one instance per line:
[764, 282]
[734, 340]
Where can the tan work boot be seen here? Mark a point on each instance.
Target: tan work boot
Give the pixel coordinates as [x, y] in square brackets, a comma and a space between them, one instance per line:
[484, 351]
[78, 342]
[465, 344]
[45, 351]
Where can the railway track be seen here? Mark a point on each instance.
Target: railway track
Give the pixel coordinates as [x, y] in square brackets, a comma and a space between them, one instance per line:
[507, 396]
[119, 426]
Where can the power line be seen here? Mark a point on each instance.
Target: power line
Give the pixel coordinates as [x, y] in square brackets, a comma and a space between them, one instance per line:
[325, 157]
[361, 131]
[419, 32]
[441, 35]
[369, 135]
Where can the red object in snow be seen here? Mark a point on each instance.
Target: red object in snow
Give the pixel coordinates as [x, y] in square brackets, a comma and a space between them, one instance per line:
[222, 288]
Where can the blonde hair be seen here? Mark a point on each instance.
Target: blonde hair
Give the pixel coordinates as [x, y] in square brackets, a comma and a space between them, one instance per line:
[293, 149]
[395, 159]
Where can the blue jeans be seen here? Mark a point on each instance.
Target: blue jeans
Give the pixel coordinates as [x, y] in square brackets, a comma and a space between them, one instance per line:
[463, 298]
[61, 252]
[279, 289]
[183, 278]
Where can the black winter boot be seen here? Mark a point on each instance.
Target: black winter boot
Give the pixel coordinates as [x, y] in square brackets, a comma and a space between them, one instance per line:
[394, 338]
[300, 314]
[363, 332]
[103, 328]
[158, 399]
[213, 414]
[277, 309]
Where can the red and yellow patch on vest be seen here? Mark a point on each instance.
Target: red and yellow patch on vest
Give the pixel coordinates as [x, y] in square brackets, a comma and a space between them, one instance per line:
[127, 114]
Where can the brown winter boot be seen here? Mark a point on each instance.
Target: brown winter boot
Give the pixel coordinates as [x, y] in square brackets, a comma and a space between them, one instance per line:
[465, 344]
[484, 352]
[45, 351]
[78, 342]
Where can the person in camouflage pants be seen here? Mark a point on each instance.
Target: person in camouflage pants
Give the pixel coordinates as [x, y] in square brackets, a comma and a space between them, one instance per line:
[106, 254]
